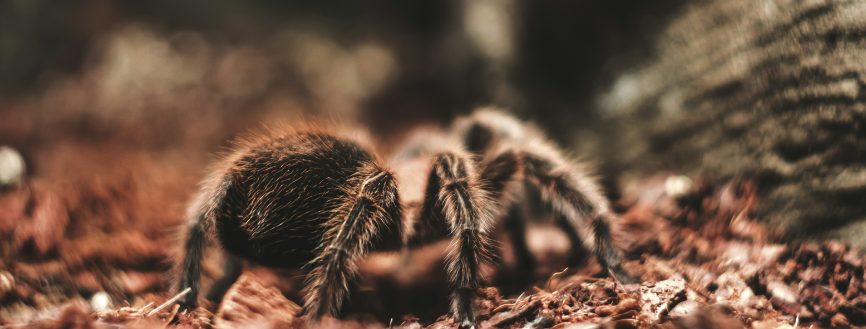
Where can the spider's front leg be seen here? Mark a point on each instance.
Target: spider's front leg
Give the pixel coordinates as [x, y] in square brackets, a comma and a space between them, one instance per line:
[501, 177]
[455, 197]
[369, 219]
[575, 195]
[578, 198]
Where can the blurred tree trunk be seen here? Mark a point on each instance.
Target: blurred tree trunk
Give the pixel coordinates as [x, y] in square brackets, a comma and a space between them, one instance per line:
[772, 89]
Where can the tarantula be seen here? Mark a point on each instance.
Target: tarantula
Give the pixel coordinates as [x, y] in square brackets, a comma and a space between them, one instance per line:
[320, 199]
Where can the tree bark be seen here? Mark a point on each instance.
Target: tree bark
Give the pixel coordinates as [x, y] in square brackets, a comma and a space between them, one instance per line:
[768, 89]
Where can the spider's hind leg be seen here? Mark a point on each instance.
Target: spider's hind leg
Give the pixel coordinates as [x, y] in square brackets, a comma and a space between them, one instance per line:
[232, 270]
[190, 270]
[210, 200]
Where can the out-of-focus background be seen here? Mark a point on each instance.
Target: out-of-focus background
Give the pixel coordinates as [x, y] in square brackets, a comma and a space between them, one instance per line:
[116, 107]
[769, 89]
[389, 63]
[174, 82]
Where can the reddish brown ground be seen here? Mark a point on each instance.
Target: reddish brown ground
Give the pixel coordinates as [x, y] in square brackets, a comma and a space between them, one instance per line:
[114, 155]
[103, 221]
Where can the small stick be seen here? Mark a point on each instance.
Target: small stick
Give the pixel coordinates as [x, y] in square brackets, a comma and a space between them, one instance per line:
[554, 275]
[519, 297]
[503, 307]
[169, 302]
[144, 308]
[172, 314]
[147, 306]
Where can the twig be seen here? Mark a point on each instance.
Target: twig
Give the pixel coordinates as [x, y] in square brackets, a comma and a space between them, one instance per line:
[169, 302]
[554, 275]
[172, 314]
[519, 297]
[144, 309]
[515, 315]
[503, 307]
[510, 305]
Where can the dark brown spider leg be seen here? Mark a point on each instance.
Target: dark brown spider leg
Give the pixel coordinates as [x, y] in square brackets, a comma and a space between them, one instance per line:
[577, 251]
[232, 270]
[371, 215]
[515, 222]
[576, 197]
[211, 198]
[462, 204]
[191, 266]
[497, 174]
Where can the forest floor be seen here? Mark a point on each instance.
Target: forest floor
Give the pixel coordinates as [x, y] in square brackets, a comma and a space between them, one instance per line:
[91, 255]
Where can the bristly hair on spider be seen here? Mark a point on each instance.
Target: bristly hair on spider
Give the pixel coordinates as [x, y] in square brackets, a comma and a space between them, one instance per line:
[318, 198]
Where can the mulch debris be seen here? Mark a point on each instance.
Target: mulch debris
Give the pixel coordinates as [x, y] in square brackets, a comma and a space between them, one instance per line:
[703, 259]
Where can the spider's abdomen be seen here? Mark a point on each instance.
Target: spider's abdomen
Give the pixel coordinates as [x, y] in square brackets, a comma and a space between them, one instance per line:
[283, 194]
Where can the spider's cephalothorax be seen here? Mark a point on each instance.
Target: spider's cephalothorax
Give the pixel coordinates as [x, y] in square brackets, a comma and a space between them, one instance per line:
[317, 199]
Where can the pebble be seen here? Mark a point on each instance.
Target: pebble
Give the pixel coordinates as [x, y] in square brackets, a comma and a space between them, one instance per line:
[677, 186]
[685, 308]
[100, 302]
[7, 282]
[11, 166]
[782, 292]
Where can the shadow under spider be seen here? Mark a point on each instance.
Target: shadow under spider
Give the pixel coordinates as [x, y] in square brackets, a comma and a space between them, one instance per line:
[395, 287]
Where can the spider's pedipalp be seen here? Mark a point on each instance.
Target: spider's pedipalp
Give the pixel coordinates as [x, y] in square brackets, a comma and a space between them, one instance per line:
[232, 270]
[374, 208]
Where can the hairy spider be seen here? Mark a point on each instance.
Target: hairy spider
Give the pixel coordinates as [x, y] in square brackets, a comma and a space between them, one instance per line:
[320, 199]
